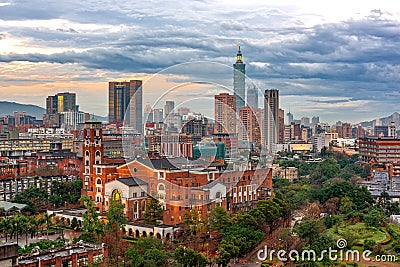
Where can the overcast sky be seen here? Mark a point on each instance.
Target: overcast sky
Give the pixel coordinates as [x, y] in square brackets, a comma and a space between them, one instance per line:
[336, 59]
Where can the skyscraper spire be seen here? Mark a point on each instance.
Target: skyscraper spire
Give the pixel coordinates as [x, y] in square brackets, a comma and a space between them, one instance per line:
[239, 73]
[239, 55]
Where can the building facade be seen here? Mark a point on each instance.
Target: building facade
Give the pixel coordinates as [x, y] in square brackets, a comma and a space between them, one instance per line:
[125, 103]
[271, 107]
[239, 80]
[225, 114]
[249, 130]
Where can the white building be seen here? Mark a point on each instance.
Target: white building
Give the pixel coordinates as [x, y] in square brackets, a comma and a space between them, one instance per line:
[319, 142]
[69, 120]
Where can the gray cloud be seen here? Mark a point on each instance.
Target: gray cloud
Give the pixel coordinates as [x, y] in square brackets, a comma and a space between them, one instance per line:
[356, 58]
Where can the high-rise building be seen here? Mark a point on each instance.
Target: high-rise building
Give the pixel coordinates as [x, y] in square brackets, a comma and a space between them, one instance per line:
[225, 114]
[148, 113]
[314, 120]
[271, 107]
[252, 97]
[125, 103]
[360, 132]
[61, 102]
[69, 120]
[344, 130]
[168, 107]
[281, 126]
[158, 115]
[290, 118]
[250, 128]
[239, 75]
[183, 111]
[305, 121]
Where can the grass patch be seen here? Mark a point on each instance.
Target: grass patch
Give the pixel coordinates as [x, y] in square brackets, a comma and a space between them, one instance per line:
[360, 232]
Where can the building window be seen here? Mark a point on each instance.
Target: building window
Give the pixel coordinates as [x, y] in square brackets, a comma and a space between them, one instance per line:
[143, 194]
[161, 187]
[83, 261]
[66, 263]
[116, 195]
[134, 195]
[97, 258]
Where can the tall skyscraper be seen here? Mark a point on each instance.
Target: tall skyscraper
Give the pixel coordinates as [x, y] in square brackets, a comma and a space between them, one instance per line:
[61, 102]
[125, 103]
[57, 104]
[290, 118]
[250, 128]
[305, 121]
[271, 107]
[148, 113]
[225, 114]
[314, 120]
[158, 115]
[168, 107]
[281, 126]
[239, 71]
[252, 97]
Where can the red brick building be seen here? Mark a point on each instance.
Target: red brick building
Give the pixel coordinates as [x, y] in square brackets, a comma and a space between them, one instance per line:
[82, 254]
[381, 150]
[178, 190]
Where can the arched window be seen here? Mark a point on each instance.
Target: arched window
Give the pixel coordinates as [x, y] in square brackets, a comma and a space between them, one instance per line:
[116, 195]
[87, 153]
[98, 181]
[161, 187]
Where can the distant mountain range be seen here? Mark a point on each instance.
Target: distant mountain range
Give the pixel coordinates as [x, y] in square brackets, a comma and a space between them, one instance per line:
[8, 108]
[395, 117]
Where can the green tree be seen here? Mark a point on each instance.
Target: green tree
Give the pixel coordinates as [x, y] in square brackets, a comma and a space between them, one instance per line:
[271, 211]
[116, 215]
[133, 258]
[153, 211]
[219, 219]
[188, 257]
[115, 221]
[33, 226]
[323, 242]
[65, 192]
[17, 225]
[227, 251]
[247, 220]
[148, 243]
[155, 257]
[47, 220]
[223, 257]
[91, 223]
[309, 229]
[74, 223]
[5, 226]
[36, 199]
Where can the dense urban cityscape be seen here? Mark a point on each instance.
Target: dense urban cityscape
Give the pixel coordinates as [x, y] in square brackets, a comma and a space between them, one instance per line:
[244, 178]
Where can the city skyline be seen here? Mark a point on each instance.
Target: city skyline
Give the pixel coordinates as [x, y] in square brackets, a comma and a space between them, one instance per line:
[339, 58]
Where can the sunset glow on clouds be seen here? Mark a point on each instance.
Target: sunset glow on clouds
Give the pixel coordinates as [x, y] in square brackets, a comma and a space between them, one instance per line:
[343, 52]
